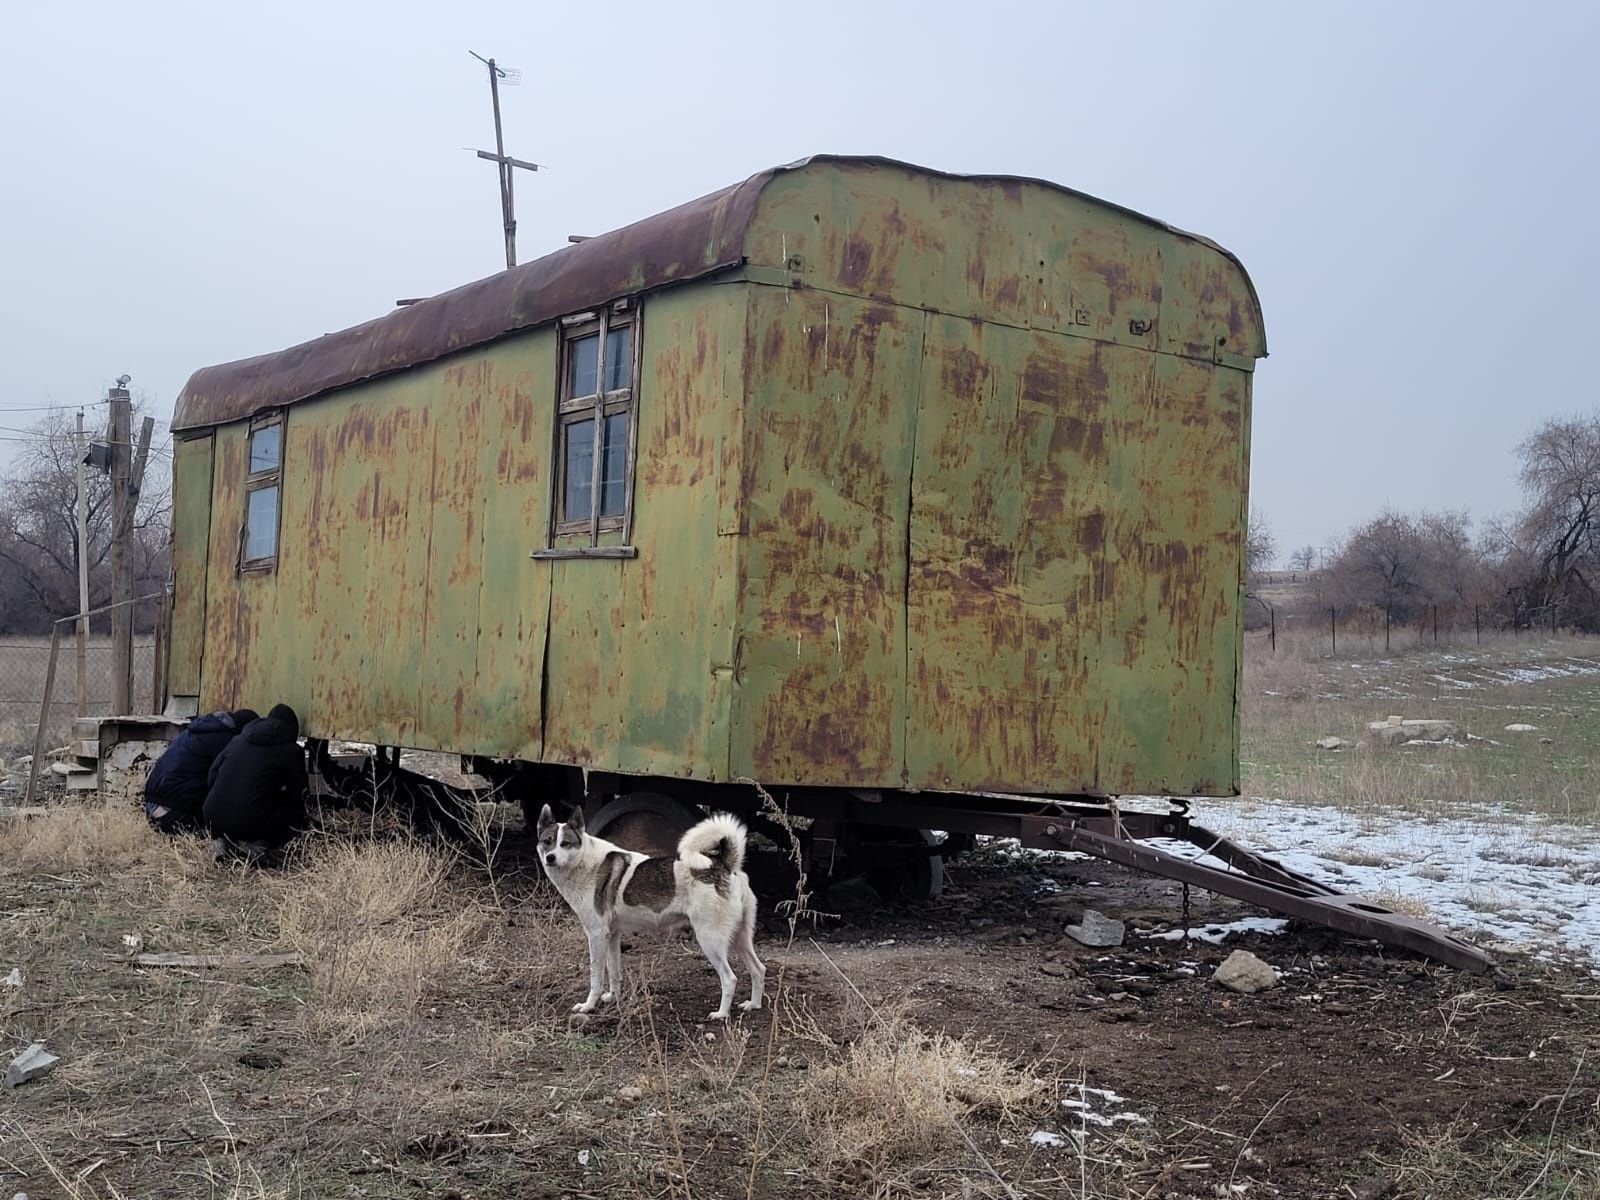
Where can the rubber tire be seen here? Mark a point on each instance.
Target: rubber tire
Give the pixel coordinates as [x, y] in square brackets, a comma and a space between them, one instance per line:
[644, 821]
[920, 880]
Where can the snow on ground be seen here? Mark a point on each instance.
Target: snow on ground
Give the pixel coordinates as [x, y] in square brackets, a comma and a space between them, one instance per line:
[1473, 676]
[1498, 877]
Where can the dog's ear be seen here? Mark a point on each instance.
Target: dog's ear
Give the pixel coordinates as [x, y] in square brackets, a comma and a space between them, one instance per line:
[546, 817]
[576, 819]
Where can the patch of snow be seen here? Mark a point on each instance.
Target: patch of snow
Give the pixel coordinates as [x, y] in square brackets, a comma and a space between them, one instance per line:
[1217, 932]
[1043, 1137]
[1494, 875]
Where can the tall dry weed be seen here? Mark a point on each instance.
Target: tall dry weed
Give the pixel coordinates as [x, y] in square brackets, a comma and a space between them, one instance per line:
[75, 836]
[376, 926]
[891, 1102]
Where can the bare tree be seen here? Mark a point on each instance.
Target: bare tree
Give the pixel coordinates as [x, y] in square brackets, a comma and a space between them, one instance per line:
[1303, 559]
[1382, 564]
[1260, 547]
[38, 529]
[1559, 533]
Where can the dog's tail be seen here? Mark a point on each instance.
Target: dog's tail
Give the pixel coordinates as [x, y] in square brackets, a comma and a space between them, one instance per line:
[716, 841]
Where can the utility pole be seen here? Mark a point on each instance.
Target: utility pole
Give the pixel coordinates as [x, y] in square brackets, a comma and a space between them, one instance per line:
[127, 476]
[506, 164]
[82, 514]
[119, 434]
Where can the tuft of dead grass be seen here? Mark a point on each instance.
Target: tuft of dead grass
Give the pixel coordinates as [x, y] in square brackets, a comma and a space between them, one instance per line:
[376, 925]
[95, 833]
[890, 1102]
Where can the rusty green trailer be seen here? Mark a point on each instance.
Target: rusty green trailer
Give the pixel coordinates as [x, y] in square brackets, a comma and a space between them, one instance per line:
[854, 475]
[917, 498]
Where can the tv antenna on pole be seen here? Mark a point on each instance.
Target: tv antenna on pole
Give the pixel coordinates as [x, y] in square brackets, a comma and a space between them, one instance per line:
[506, 164]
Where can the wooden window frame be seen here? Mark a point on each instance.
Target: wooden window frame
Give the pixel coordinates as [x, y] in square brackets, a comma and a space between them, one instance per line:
[255, 481]
[580, 537]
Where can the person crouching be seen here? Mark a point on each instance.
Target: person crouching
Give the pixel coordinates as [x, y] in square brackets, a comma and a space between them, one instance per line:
[176, 788]
[257, 795]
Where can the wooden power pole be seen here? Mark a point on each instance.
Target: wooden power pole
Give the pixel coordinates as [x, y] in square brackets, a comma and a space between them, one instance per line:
[127, 476]
[508, 202]
[120, 434]
[82, 514]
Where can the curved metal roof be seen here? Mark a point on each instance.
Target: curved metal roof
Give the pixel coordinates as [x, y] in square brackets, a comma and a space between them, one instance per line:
[685, 243]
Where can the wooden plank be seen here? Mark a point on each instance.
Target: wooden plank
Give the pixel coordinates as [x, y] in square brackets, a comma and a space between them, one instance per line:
[219, 960]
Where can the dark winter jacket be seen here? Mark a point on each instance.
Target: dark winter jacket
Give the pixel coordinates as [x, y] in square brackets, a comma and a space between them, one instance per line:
[258, 783]
[179, 778]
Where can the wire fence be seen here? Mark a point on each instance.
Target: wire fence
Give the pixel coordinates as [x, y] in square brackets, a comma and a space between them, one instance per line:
[24, 663]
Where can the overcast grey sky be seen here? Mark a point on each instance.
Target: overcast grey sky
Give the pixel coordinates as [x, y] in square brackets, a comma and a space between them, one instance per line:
[1412, 186]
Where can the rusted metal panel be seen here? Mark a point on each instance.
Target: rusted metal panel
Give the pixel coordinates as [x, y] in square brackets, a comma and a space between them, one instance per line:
[1070, 552]
[191, 531]
[830, 401]
[1007, 537]
[402, 608]
[1174, 575]
[641, 649]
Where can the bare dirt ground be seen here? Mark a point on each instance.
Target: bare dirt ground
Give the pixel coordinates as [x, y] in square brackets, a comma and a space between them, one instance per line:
[425, 1049]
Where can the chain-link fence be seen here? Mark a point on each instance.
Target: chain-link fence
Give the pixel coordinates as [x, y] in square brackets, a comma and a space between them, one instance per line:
[24, 663]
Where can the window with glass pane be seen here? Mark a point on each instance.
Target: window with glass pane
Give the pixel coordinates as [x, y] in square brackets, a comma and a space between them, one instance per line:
[578, 470]
[261, 524]
[258, 541]
[593, 490]
[613, 463]
[581, 366]
[619, 358]
[264, 448]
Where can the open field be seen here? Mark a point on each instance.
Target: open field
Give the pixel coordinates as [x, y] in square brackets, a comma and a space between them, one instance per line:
[420, 1045]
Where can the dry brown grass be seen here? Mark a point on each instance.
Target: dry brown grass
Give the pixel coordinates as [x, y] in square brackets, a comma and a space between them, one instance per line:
[94, 834]
[893, 1098]
[377, 925]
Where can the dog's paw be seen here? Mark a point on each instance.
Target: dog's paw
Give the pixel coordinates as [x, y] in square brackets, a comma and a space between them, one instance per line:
[586, 1006]
[607, 997]
[749, 1005]
[720, 1015]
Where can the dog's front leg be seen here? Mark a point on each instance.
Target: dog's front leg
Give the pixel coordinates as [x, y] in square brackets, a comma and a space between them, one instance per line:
[597, 964]
[613, 976]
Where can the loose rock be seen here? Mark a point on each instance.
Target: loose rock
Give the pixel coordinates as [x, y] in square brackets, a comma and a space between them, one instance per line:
[1053, 968]
[1097, 930]
[1243, 972]
[14, 979]
[29, 1065]
[1331, 743]
[1518, 727]
[629, 1096]
[1398, 732]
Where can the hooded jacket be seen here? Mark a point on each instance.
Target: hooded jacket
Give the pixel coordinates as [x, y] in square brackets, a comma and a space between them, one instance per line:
[258, 782]
[179, 778]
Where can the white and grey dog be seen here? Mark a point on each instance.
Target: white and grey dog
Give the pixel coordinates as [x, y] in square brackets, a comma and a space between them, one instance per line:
[615, 891]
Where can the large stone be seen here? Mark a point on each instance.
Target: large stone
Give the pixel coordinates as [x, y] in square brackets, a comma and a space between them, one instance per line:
[1388, 734]
[1097, 930]
[1243, 972]
[29, 1065]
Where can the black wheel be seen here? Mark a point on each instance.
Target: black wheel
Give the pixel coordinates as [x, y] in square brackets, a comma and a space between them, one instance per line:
[647, 822]
[899, 863]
